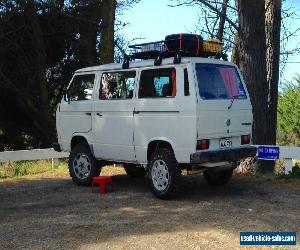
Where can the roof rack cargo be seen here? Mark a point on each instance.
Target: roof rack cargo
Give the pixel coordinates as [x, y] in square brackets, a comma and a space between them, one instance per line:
[176, 45]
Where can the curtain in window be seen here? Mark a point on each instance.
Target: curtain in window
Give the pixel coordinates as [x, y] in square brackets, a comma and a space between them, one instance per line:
[230, 80]
[173, 82]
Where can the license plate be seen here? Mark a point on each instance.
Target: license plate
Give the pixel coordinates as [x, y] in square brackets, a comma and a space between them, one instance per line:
[225, 143]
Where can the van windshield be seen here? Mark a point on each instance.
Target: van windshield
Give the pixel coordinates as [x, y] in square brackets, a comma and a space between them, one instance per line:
[219, 82]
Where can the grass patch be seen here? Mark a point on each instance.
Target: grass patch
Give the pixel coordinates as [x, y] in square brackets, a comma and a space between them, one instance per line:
[295, 174]
[24, 168]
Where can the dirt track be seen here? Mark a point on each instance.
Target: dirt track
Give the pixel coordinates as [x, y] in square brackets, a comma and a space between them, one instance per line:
[52, 212]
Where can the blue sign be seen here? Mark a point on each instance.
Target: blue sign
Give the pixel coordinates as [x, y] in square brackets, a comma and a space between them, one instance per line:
[268, 153]
[268, 238]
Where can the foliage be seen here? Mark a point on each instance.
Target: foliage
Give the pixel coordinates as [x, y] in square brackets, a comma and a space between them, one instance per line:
[42, 43]
[22, 168]
[295, 174]
[289, 115]
[39, 51]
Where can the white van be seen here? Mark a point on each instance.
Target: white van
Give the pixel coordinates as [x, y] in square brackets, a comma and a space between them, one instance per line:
[157, 120]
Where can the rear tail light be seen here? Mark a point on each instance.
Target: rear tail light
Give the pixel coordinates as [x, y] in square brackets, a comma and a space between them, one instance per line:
[202, 144]
[245, 139]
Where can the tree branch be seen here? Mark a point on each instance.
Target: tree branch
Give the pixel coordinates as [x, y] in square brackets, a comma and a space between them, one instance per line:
[210, 6]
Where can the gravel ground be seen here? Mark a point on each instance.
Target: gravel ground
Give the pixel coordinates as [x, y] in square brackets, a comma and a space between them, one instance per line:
[52, 212]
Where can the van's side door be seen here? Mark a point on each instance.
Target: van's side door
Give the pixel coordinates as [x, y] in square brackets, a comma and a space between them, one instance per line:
[156, 109]
[75, 114]
[113, 116]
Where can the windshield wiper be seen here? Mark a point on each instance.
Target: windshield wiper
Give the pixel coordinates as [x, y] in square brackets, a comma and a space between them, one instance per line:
[232, 100]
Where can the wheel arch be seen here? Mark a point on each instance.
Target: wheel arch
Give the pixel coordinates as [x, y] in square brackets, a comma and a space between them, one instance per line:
[79, 138]
[156, 143]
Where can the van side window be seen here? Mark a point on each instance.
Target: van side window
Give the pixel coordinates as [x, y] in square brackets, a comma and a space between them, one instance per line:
[186, 83]
[158, 83]
[117, 85]
[81, 87]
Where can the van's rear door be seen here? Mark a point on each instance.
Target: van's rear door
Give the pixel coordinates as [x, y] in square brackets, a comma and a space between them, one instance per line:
[224, 109]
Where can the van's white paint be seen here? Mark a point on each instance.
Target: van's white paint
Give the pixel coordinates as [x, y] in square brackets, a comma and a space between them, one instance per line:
[116, 132]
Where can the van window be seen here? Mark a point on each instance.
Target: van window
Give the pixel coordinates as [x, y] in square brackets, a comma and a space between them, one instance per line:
[158, 83]
[117, 85]
[81, 87]
[186, 83]
[219, 82]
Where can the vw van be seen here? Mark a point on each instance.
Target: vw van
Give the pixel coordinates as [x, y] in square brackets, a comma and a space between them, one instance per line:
[157, 119]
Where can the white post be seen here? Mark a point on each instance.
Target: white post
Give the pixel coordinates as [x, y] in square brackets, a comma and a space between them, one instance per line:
[288, 164]
[54, 162]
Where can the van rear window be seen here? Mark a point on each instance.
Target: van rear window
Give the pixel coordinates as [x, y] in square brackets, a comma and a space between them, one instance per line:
[219, 82]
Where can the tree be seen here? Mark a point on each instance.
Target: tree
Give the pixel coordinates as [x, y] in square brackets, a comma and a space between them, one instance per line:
[272, 26]
[42, 43]
[272, 29]
[107, 43]
[27, 102]
[288, 114]
[88, 28]
[222, 20]
[256, 50]
[253, 62]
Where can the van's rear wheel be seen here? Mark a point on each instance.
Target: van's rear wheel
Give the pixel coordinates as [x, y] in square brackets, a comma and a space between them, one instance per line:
[135, 171]
[217, 178]
[82, 165]
[164, 174]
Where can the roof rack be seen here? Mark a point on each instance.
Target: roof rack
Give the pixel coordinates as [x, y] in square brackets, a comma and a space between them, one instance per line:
[165, 49]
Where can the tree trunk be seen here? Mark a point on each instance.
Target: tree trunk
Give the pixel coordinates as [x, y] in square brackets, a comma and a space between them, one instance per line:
[38, 82]
[253, 62]
[107, 44]
[59, 4]
[88, 34]
[272, 28]
[222, 20]
[235, 56]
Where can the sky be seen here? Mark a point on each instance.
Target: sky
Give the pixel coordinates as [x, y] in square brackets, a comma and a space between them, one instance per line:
[152, 20]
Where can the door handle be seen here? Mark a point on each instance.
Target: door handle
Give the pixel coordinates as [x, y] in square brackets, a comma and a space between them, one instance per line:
[88, 113]
[136, 112]
[99, 114]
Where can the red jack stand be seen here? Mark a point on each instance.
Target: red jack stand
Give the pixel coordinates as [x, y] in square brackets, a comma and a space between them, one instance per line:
[101, 181]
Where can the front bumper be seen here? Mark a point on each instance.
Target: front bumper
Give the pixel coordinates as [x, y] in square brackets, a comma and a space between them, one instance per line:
[233, 154]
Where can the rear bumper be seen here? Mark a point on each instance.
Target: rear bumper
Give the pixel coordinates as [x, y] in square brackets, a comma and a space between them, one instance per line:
[56, 146]
[233, 154]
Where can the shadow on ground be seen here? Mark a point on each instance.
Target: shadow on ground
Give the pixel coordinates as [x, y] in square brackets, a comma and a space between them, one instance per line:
[55, 213]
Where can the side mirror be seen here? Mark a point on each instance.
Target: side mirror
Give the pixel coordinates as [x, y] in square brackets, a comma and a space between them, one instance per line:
[66, 97]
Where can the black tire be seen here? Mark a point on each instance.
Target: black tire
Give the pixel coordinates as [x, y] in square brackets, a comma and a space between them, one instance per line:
[135, 171]
[218, 178]
[166, 182]
[83, 172]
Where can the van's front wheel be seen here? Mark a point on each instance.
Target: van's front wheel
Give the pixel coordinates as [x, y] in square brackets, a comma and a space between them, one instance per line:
[82, 165]
[164, 174]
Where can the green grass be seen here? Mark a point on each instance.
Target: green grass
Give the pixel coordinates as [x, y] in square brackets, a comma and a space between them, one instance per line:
[295, 174]
[25, 168]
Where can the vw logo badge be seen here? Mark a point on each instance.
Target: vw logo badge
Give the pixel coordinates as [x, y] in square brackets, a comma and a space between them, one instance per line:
[228, 122]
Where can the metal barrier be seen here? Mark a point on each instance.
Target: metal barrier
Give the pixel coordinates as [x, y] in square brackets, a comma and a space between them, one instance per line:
[288, 153]
[32, 155]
